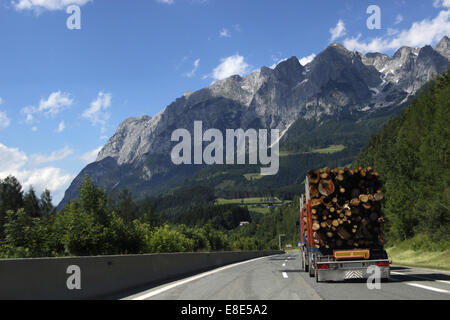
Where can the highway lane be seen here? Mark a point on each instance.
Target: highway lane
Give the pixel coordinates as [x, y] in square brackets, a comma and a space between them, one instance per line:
[279, 278]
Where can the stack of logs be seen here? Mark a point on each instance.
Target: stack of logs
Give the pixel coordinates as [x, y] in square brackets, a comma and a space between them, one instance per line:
[346, 208]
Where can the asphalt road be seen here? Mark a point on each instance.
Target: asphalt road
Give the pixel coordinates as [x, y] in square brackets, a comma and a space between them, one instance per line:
[279, 278]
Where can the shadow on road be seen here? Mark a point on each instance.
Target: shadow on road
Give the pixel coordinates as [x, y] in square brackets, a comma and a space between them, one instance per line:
[421, 277]
[398, 268]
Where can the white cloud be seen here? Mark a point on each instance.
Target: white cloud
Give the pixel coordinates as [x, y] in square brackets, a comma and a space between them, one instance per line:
[392, 31]
[420, 33]
[34, 129]
[12, 159]
[28, 112]
[90, 156]
[305, 60]
[191, 73]
[96, 113]
[165, 1]
[230, 66]
[1, 100]
[55, 179]
[277, 62]
[55, 103]
[441, 3]
[38, 159]
[51, 178]
[225, 33]
[338, 31]
[398, 19]
[4, 120]
[61, 127]
[51, 5]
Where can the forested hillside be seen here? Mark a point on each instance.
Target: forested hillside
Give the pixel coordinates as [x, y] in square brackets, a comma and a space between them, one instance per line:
[98, 224]
[412, 154]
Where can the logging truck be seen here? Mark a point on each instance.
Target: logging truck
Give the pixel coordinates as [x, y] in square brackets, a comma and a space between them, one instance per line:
[341, 225]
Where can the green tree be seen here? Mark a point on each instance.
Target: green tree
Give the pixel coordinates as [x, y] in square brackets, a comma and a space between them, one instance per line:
[11, 198]
[93, 201]
[80, 233]
[46, 206]
[166, 239]
[127, 209]
[31, 204]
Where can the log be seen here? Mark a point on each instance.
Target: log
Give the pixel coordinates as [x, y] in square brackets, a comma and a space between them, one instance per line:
[363, 198]
[313, 176]
[378, 196]
[346, 208]
[316, 226]
[326, 187]
[314, 193]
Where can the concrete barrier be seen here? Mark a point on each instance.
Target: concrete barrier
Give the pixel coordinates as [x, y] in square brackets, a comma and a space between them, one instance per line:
[102, 276]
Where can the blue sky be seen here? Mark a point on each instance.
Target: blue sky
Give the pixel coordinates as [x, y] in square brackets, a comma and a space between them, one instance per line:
[64, 92]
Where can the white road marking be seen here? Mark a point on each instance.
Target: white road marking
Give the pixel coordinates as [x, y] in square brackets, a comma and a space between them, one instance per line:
[284, 264]
[420, 277]
[427, 287]
[285, 275]
[179, 283]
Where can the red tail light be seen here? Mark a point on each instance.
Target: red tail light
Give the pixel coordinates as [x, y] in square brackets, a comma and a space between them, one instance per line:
[322, 266]
[383, 264]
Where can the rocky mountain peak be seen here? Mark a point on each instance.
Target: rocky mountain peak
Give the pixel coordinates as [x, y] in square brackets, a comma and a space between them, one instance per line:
[290, 70]
[443, 47]
[338, 83]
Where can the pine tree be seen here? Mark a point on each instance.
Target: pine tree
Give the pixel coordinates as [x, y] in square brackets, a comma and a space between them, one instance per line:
[126, 208]
[31, 204]
[11, 199]
[46, 206]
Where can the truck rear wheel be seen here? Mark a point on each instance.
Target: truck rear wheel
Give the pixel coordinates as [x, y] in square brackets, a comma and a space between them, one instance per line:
[305, 265]
[311, 268]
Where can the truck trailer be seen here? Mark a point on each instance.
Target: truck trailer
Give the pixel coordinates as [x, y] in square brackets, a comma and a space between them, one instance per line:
[338, 201]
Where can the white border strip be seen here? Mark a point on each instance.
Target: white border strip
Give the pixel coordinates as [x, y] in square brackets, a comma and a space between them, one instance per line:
[427, 287]
[179, 283]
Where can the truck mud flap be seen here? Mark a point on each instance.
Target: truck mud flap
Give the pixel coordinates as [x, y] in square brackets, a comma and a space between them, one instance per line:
[354, 274]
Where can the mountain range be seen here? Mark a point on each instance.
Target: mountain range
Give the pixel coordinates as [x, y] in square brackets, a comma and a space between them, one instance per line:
[340, 98]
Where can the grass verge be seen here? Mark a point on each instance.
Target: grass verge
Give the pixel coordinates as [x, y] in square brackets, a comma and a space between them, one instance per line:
[420, 258]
